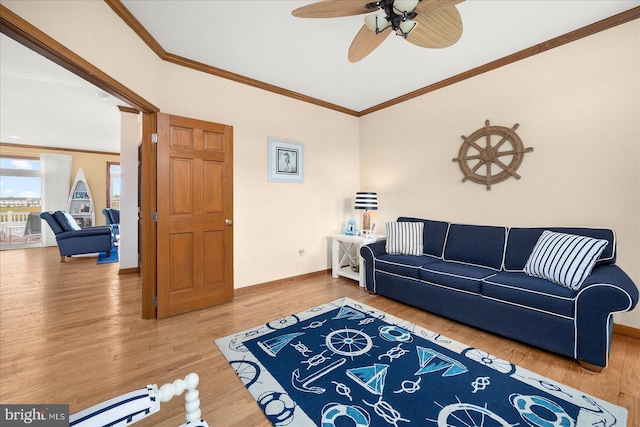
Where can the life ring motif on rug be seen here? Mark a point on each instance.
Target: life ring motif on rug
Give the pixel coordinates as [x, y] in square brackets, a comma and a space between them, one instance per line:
[332, 411]
[525, 405]
[394, 333]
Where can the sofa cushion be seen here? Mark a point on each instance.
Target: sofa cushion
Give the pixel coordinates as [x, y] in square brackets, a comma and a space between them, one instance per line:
[434, 236]
[565, 259]
[455, 275]
[521, 241]
[403, 265]
[66, 221]
[404, 238]
[476, 244]
[530, 292]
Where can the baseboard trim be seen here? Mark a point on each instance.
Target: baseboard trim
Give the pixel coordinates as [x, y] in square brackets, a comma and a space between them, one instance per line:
[261, 286]
[134, 270]
[626, 331]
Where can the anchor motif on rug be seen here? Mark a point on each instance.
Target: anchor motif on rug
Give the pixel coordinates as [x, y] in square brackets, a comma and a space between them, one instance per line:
[303, 385]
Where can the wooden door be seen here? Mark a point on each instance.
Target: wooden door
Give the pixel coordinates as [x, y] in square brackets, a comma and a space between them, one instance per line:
[195, 214]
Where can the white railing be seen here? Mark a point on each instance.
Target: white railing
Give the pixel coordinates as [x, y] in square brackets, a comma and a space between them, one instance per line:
[14, 218]
[12, 223]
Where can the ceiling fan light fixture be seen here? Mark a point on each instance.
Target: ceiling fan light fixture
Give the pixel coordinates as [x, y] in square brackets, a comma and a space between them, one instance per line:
[376, 23]
[440, 21]
[405, 6]
[406, 27]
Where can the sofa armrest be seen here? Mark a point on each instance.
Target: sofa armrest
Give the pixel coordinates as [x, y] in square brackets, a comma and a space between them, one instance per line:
[369, 253]
[607, 290]
[613, 276]
[85, 232]
[373, 250]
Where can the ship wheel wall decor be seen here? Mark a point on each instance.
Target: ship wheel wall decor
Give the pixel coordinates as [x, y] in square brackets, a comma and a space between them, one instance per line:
[491, 149]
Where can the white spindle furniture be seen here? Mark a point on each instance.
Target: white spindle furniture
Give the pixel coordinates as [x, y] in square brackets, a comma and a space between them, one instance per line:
[132, 407]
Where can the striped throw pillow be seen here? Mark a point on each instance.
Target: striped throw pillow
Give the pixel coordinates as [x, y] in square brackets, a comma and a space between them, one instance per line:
[119, 411]
[565, 259]
[404, 238]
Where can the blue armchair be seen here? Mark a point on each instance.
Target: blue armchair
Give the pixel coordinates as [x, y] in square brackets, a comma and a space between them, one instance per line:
[73, 240]
[113, 219]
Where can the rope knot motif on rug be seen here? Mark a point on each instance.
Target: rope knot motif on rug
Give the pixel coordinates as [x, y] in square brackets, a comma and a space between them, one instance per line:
[344, 363]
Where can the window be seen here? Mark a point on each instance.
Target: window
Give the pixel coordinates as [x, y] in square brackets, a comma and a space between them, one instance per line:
[113, 185]
[20, 185]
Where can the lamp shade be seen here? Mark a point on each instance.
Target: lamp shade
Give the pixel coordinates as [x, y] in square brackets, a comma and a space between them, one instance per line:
[366, 200]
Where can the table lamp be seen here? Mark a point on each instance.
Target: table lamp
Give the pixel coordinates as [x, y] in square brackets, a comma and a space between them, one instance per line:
[368, 201]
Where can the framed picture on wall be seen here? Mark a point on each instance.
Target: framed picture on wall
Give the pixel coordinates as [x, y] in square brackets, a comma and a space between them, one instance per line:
[286, 161]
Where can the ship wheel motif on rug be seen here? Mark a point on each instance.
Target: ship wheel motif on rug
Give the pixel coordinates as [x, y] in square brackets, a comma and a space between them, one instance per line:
[491, 155]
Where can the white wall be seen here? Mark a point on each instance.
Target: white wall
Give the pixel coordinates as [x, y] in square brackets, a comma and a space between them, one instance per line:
[56, 177]
[130, 133]
[272, 221]
[578, 106]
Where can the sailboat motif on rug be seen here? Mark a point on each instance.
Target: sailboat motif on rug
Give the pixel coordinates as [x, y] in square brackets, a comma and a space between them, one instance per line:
[344, 363]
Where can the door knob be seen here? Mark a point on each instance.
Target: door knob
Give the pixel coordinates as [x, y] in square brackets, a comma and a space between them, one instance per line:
[228, 221]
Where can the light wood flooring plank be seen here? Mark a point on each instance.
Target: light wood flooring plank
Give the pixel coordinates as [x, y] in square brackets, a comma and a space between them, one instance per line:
[72, 333]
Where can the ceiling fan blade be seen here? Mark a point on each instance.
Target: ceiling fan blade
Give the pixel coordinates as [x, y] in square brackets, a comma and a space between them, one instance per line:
[437, 29]
[365, 42]
[426, 6]
[331, 9]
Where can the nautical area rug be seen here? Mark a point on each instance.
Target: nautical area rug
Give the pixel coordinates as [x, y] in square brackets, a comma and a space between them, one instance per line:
[347, 364]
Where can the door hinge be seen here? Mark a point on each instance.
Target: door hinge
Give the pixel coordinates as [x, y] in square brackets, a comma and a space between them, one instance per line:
[154, 301]
[154, 138]
[154, 216]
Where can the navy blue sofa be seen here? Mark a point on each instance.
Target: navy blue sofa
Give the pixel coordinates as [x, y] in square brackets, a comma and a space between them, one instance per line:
[73, 240]
[474, 274]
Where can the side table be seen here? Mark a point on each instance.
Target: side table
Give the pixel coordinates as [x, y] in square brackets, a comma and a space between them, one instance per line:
[345, 251]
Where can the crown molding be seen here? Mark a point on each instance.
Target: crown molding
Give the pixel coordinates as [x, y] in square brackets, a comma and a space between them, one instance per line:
[128, 18]
[44, 147]
[578, 34]
[602, 25]
[28, 35]
[133, 23]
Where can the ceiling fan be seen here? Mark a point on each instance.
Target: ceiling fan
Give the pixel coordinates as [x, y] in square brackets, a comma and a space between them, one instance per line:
[425, 23]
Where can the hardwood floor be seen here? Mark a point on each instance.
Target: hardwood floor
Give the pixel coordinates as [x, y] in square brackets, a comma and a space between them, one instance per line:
[72, 333]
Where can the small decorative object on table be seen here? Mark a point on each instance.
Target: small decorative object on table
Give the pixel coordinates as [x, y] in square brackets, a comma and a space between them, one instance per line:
[352, 228]
[371, 231]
